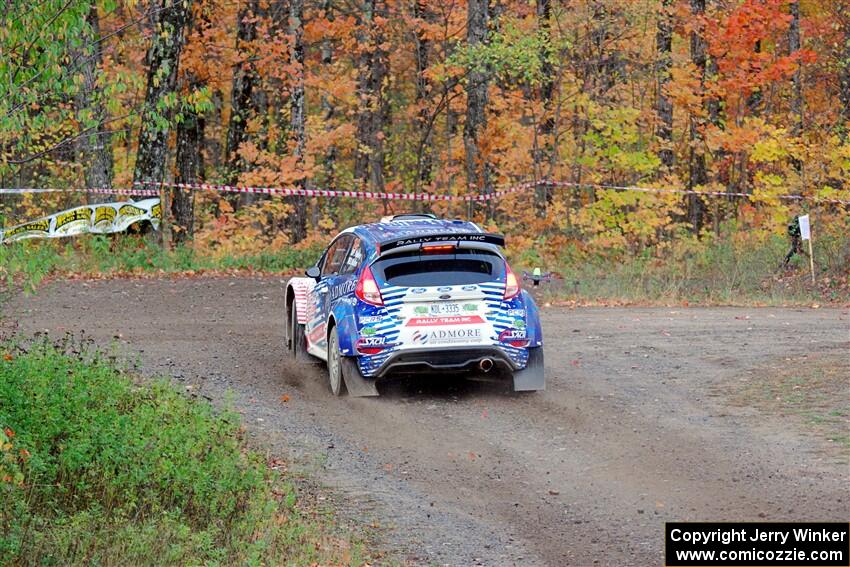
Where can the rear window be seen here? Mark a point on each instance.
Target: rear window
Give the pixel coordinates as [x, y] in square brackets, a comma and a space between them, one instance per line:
[464, 266]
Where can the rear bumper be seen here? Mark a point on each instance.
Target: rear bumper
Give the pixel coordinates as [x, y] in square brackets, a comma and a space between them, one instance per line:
[450, 358]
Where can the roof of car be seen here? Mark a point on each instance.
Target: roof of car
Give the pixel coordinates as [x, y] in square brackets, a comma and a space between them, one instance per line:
[410, 225]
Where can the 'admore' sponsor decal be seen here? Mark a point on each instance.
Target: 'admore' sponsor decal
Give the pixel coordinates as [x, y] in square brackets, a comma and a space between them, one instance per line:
[447, 336]
[444, 321]
[343, 289]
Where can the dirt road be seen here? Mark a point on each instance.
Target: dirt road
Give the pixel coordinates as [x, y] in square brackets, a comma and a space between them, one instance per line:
[634, 429]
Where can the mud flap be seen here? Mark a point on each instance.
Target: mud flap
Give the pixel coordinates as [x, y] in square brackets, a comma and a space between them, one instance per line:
[356, 385]
[531, 378]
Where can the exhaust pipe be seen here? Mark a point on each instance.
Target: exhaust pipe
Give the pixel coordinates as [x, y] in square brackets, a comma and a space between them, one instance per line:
[486, 364]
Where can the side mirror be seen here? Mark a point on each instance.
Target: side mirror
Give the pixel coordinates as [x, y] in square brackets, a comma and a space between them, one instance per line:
[313, 272]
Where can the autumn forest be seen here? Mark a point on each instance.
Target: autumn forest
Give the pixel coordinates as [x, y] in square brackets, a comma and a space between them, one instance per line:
[746, 99]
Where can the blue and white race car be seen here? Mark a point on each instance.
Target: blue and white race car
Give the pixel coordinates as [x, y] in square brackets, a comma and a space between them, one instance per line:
[414, 293]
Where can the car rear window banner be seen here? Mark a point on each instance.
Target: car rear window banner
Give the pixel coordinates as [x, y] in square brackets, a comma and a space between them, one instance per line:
[103, 218]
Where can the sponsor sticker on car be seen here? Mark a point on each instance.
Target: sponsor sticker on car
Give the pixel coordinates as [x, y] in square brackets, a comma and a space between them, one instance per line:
[447, 336]
[444, 321]
[512, 335]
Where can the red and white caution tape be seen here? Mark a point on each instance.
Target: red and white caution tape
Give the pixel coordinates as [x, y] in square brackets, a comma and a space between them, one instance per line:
[483, 197]
[335, 193]
[658, 190]
[287, 192]
[99, 191]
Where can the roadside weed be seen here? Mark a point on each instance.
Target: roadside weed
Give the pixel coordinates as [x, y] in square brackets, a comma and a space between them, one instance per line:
[98, 469]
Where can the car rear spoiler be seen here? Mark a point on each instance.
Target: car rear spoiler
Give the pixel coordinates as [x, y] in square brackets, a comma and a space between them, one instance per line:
[473, 237]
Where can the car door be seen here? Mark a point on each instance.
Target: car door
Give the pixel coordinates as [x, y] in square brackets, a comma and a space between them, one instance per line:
[323, 292]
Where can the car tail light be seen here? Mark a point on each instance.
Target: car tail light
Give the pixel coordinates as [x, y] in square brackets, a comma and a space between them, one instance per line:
[511, 283]
[438, 249]
[367, 288]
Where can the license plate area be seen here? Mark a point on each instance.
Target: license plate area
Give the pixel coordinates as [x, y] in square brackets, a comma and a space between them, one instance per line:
[444, 309]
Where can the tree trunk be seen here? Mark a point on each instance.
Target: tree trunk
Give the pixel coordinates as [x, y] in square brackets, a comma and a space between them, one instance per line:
[844, 79]
[328, 175]
[297, 118]
[547, 121]
[797, 97]
[380, 114]
[372, 71]
[95, 150]
[754, 99]
[697, 172]
[241, 94]
[663, 64]
[163, 58]
[328, 110]
[425, 158]
[190, 169]
[477, 168]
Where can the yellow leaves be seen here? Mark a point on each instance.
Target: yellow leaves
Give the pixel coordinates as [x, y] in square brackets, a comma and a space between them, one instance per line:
[768, 151]
[684, 88]
[225, 207]
[837, 155]
[327, 223]
[773, 144]
[258, 228]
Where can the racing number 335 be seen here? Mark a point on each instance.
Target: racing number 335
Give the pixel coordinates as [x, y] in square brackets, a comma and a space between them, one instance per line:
[414, 293]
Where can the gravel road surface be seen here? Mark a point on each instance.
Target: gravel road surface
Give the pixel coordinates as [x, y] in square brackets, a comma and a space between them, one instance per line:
[635, 427]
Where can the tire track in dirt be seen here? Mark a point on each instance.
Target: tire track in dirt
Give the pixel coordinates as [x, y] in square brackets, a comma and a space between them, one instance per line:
[633, 429]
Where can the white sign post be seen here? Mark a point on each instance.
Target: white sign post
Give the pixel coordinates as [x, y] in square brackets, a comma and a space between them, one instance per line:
[806, 234]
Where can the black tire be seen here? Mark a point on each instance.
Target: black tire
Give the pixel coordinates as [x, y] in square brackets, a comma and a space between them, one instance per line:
[335, 365]
[297, 340]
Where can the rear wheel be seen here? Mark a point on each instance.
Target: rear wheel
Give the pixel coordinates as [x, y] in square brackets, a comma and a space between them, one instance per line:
[334, 364]
[297, 342]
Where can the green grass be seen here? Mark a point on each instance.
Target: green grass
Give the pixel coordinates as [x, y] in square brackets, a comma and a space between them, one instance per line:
[27, 263]
[736, 268]
[715, 271]
[97, 469]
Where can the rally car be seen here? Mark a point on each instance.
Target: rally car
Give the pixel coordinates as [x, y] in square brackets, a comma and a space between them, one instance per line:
[414, 293]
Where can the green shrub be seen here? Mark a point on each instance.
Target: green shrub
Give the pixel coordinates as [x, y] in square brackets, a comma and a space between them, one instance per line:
[96, 469]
